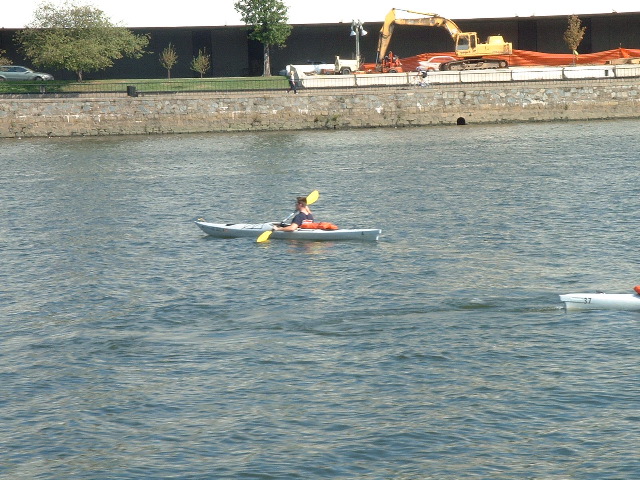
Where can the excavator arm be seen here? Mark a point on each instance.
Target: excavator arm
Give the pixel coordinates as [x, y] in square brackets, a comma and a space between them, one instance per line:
[429, 20]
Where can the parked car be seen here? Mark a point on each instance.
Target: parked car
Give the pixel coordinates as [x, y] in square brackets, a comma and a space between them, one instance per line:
[433, 64]
[16, 72]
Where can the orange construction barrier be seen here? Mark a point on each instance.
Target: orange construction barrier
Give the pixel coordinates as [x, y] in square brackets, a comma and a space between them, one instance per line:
[526, 58]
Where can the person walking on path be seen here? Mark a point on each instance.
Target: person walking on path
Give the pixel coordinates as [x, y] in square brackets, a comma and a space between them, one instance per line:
[292, 81]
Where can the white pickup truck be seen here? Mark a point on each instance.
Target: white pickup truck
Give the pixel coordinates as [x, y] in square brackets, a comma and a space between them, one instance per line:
[345, 67]
[309, 68]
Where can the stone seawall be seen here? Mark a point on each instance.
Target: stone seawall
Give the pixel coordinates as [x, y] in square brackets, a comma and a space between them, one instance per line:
[41, 116]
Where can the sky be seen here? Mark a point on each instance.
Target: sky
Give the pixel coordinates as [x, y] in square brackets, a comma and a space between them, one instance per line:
[194, 13]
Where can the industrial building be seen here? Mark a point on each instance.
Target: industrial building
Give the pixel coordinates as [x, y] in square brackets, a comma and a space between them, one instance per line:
[233, 54]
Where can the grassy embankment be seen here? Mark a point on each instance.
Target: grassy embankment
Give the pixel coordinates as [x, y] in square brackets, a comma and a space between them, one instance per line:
[222, 84]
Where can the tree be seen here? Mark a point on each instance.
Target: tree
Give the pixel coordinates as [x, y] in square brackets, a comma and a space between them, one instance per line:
[201, 63]
[268, 21]
[573, 35]
[4, 60]
[79, 38]
[168, 58]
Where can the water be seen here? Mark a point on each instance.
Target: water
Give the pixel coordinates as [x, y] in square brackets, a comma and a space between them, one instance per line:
[132, 346]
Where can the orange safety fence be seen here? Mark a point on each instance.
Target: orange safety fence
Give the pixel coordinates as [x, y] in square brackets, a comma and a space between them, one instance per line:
[526, 58]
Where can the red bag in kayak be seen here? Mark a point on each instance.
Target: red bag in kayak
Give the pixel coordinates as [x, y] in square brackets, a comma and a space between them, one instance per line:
[319, 225]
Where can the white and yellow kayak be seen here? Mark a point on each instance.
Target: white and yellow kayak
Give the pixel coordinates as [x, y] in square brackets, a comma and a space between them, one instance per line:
[602, 301]
[253, 230]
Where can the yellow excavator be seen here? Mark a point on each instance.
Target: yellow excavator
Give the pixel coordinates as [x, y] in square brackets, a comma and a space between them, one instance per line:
[473, 53]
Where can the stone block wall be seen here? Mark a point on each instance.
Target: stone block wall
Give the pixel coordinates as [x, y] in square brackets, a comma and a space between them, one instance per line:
[405, 106]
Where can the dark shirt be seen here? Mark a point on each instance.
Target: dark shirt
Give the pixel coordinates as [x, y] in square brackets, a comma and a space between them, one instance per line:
[300, 217]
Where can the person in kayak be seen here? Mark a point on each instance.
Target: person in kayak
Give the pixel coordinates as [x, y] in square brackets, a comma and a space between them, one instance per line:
[304, 215]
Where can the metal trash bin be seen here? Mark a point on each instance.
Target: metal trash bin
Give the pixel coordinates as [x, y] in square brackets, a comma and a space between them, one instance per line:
[131, 91]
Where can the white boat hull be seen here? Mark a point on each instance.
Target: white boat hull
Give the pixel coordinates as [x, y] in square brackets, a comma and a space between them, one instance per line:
[601, 301]
[253, 230]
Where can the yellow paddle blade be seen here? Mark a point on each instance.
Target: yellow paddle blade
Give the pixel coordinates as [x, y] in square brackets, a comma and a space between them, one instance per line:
[312, 197]
[264, 236]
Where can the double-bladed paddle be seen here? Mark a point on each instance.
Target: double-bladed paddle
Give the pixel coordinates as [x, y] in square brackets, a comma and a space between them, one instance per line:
[311, 198]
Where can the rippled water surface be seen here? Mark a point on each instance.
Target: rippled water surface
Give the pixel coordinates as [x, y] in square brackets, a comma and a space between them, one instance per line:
[133, 346]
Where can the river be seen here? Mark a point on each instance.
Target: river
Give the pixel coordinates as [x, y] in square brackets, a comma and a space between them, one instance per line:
[133, 346]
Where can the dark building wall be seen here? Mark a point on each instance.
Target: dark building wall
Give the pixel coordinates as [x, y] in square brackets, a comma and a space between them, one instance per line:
[226, 45]
[234, 55]
[615, 30]
[322, 43]
[229, 47]
[527, 37]
[550, 31]
[8, 45]
[159, 39]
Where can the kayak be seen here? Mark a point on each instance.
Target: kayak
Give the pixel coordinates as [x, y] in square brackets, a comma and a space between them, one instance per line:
[253, 230]
[601, 301]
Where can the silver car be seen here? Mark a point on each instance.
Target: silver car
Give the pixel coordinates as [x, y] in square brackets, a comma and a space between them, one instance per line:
[16, 72]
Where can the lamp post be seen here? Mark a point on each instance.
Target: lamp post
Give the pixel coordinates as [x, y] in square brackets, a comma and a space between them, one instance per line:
[357, 31]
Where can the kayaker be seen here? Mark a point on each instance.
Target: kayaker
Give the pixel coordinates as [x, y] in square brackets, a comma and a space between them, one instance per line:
[303, 215]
